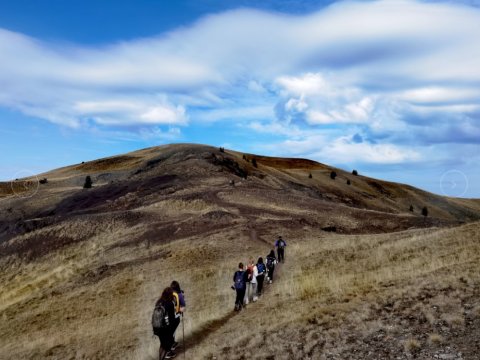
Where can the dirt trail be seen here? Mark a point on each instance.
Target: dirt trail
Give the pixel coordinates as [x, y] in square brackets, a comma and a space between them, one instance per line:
[211, 328]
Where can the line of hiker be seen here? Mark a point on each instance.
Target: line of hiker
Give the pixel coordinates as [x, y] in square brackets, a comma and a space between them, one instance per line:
[248, 281]
[166, 317]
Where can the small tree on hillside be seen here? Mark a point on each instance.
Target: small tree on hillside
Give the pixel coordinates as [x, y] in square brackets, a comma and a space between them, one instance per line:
[88, 182]
[254, 162]
[355, 172]
[333, 175]
[425, 211]
[310, 175]
[349, 182]
[245, 157]
[411, 208]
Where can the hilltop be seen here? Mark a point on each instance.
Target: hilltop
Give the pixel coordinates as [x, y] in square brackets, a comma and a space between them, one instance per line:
[82, 267]
[185, 172]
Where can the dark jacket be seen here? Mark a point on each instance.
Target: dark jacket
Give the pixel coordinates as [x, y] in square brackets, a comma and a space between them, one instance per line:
[272, 259]
[244, 278]
[280, 243]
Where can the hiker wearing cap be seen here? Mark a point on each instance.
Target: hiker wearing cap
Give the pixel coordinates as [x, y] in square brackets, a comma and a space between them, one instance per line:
[280, 244]
[271, 261]
[251, 291]
[179, 301]
[163, 320]
[239, 284]
[261, 275]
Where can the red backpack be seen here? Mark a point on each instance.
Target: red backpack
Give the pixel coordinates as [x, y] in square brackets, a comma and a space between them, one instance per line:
[250, 272]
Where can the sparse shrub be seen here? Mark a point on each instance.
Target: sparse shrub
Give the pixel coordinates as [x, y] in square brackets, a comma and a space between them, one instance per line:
[435, 339]
[333, 175]
[245, 157]
[310, 175]
[425, 211]
[43, 181]
[221, 149]
[455, 321]
[411, 208]
[349, 182]
[88, 182]
[355, 172]
[412, 345]
[254, 162]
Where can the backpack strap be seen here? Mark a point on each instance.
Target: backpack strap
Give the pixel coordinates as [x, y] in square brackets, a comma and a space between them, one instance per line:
[176, 301]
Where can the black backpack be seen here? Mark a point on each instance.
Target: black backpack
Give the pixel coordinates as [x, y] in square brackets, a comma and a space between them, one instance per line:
[270, 262]
[281, 244]
[239, 280]
[159, 318]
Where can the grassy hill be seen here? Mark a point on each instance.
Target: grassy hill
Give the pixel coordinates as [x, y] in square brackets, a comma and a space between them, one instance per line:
[81, 268]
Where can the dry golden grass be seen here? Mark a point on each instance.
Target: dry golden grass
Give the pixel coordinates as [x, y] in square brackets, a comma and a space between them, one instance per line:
[435, 339]
[325, 298]
[412, 345]
[92, 297]
[339, 282]
[181, 207]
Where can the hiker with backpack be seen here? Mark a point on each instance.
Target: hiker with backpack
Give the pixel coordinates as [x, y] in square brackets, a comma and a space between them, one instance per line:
[261, 269]
[251, 291]
[179, 301]
[163, 319]
[271, 261]
[239, 284]
[280, 244]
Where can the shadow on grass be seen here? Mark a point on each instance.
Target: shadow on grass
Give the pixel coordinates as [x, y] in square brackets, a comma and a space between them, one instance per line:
[201, 334]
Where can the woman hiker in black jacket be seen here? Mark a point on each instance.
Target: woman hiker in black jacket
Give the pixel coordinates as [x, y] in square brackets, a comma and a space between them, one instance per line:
[240, 279]
[166, 334]
[261, 275]
[271, 261]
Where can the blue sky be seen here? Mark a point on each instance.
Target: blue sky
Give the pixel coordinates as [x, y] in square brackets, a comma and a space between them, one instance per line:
[391, 88]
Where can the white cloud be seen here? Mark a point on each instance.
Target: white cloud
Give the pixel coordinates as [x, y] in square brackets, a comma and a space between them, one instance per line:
[369, 64]
[436, 94]
[246, 113]
[343, 151]
[322, 102]
[143, 111]
[306, 85]
[331, 148]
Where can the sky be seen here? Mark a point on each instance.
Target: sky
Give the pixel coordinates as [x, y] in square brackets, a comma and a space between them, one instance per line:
[390, 88]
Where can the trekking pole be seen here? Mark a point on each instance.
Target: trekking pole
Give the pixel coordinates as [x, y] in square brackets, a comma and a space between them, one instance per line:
[183, 330]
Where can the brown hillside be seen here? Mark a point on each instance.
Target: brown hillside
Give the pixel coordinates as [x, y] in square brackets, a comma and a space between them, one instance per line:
[81, 268]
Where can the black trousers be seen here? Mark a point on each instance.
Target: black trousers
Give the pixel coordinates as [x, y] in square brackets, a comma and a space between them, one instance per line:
[166, 338]
[240, 296]
[260, 279]
[281, 254]
[270, 272]
[175, 326]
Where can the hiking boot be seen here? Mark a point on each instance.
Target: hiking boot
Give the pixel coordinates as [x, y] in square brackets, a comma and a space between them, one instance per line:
[175, 345]
[170, 355]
